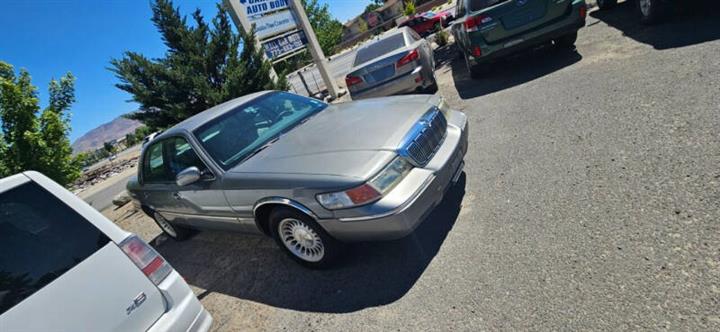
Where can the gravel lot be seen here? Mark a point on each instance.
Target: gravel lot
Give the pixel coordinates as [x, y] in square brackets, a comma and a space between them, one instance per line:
[590, 201]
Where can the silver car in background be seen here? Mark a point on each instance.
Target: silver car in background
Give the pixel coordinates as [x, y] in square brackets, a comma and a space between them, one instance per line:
[400, 61]
[65, 267]
[309, 174]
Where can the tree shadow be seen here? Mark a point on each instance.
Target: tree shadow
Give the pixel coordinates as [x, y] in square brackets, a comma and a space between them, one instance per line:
[512, 71]
[689, 23]
[369, 274]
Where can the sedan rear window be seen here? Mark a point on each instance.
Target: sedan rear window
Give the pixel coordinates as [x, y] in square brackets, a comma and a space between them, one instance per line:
[41, 238]
[379, 48]
[482, 4]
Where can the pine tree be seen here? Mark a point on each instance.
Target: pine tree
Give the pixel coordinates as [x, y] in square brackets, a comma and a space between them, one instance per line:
[203, 66]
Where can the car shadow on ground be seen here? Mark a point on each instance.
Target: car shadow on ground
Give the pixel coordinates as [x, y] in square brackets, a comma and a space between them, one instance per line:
[509, 72]
[369, 274]
[690, 23]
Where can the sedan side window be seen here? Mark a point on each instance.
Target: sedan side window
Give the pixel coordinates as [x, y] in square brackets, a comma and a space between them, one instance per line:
[181, 156]
[154, 168]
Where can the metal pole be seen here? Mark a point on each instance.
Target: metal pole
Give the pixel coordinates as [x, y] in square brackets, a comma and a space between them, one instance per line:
[241, 22]
[314, 48]
[302, 79]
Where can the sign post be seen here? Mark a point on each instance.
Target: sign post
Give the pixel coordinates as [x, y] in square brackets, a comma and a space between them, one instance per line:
[314, 47]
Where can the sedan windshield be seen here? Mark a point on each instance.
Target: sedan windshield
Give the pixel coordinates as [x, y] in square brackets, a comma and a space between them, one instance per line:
[237, 134]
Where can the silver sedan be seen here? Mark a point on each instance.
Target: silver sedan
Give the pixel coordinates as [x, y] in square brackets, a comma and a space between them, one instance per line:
[309, 174]
[398, 62]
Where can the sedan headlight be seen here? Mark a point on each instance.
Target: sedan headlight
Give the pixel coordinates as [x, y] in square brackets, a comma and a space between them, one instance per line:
[368, 192]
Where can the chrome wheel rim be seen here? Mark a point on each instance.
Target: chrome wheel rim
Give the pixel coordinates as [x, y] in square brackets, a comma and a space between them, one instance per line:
[165, 225]
[645, 6]
[301, 240]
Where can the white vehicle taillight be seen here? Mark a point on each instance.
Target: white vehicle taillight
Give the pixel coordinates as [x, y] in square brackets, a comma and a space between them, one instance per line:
[146, 258]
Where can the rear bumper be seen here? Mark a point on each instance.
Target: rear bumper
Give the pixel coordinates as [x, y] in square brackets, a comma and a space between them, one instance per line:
[406, 83]
[185, 313]
[407, 205]
[570, 23]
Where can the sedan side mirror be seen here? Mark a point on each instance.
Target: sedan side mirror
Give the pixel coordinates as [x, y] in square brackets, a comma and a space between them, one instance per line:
[188, 176]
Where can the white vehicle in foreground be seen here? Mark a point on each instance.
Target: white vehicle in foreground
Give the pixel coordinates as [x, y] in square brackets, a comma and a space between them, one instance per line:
[65, 267]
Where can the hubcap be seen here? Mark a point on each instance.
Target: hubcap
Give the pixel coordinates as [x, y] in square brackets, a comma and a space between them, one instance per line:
[301, 240]
[645, 7]
[165, 225]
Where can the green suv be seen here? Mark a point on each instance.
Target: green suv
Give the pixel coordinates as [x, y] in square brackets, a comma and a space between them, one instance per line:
[486, 30]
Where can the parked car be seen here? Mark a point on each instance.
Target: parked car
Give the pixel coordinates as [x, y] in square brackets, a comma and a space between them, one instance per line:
[428, 22]
[649, 11]
[398, 62]
[487, 30]
[309, 174]
[65, 267]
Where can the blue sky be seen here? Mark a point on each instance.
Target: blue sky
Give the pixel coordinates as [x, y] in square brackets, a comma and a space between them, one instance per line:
[52, 37]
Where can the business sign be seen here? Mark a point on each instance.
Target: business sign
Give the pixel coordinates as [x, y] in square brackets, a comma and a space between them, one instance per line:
[278, 47]
[273, 24]
[259, 7]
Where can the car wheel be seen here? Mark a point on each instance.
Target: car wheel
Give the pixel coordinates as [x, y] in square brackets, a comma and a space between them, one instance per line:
[606, 4]
[303, 239]
[567, 41]
[650, 11]
[177, 233]
[476, 71]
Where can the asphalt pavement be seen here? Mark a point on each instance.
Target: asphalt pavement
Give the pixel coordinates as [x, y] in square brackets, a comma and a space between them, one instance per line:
[589, 202]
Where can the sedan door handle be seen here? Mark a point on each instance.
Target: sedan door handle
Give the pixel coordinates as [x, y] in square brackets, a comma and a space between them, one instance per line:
[176, 195]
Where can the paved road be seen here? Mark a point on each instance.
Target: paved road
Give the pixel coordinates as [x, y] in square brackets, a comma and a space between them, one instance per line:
[102, 199]
[590, 201]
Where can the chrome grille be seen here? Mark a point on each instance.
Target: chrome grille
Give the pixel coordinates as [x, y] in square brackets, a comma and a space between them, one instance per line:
[425, 137]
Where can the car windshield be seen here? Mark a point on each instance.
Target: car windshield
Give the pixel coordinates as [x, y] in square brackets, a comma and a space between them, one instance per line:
[428, 14]
[482, 4]
[380, 47]
[236, 134]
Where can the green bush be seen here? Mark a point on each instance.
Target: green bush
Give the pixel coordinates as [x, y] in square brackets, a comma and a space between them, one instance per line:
[441, 38]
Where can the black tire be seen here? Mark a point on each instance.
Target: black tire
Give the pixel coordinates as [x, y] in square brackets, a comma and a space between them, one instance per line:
[476, 71]
[606, 4]
[314, 258]
[653, 13]
[567, 41]
[175, 232]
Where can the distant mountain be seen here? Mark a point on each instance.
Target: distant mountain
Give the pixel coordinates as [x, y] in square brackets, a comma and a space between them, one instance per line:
[95, 138]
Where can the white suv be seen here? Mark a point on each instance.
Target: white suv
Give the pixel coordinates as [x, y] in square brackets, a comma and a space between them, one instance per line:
[65, 267]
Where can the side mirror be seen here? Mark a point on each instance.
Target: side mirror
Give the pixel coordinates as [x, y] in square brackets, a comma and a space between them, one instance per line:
[188, 176]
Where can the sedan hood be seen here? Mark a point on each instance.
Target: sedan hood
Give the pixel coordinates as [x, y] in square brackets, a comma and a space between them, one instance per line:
[353, 140]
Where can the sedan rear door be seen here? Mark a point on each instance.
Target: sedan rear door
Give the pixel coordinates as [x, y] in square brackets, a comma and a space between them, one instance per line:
[58, 272]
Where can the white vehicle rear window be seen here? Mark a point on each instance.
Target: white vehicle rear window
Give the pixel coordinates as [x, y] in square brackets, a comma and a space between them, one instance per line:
[41, 238]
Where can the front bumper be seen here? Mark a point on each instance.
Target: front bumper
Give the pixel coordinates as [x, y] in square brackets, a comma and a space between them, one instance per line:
[406, 83]
[406, 206]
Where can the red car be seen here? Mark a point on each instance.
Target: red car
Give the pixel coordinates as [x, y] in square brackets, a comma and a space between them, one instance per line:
[428, 22]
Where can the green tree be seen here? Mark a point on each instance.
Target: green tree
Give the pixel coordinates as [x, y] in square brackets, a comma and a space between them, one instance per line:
[409, 7]
[109, 148]
[375, 4]
[32, 142]
[327, 29]
[204, 65]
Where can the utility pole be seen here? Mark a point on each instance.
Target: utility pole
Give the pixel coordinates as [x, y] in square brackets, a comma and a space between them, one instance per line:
[241, 21]
[314, 48]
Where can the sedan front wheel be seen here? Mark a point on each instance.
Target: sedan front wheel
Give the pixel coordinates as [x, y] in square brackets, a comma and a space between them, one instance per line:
[303, 239]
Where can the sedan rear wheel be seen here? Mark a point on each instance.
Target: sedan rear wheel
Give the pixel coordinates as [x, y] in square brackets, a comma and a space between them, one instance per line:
[177, 233]
[303, 239]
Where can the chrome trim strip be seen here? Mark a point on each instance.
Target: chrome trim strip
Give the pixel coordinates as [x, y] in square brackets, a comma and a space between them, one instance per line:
[283, 201]
[398, 209]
